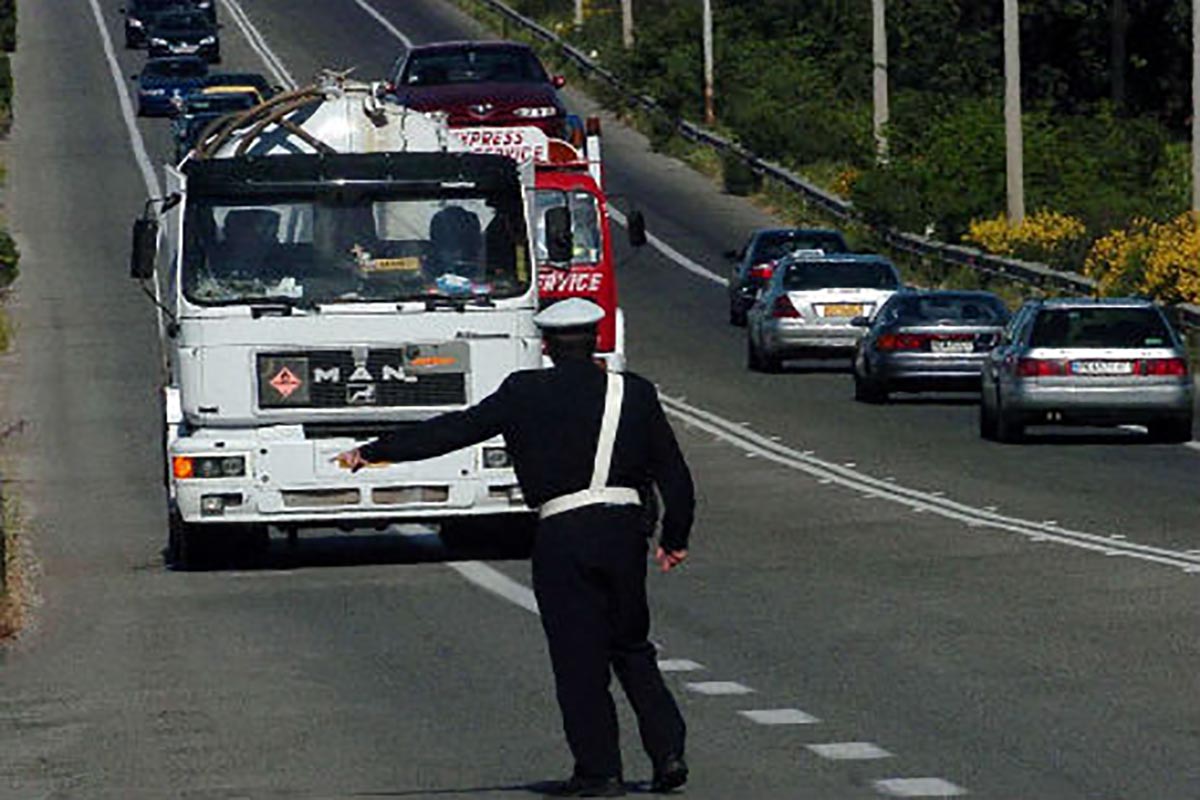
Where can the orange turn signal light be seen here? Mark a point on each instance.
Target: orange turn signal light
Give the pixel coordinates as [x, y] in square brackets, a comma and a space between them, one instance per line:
[183, 466]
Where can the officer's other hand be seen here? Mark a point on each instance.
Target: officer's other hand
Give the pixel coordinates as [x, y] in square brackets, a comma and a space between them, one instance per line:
[350, 459]
[669, 559]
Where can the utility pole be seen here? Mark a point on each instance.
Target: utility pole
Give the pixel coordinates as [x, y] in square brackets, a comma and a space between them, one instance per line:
[880, 78]
[1014, 155]
[709, 115]
[578, 14]
[1196, 105]
[627, 23]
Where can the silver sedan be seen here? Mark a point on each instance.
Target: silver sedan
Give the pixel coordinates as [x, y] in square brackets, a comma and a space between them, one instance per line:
[1088, 362]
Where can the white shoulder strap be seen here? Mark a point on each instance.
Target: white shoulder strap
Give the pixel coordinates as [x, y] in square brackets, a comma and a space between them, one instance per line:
[614, 393]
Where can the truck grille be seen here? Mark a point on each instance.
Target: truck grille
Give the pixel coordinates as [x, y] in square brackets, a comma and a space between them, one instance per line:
[370, 379]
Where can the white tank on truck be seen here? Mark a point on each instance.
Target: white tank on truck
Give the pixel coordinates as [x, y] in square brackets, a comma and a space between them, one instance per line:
[329, 267]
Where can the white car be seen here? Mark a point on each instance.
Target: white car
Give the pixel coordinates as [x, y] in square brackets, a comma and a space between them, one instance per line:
[809, 307]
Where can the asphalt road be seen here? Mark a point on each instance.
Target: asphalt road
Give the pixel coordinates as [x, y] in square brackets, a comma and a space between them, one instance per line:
[876, 576]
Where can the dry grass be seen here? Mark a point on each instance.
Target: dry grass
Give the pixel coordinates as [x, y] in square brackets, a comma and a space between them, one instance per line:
[13, 598]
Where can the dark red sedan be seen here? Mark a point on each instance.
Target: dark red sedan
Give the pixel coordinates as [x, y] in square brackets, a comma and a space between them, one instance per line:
[480, 84]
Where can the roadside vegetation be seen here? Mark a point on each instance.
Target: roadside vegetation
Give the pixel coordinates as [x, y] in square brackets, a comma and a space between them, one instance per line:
[10, 575]
[1106, 93]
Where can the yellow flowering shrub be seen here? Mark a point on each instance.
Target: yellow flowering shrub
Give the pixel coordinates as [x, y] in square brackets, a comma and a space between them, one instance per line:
[1044, 236]
[1160, 259]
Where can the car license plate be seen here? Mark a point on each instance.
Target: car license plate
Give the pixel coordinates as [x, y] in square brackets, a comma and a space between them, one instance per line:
[951, 346]
[1102, 367]
[843, 310]
[185, 48]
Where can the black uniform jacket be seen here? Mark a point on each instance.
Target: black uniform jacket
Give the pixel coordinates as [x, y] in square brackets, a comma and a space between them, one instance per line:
[550, 420]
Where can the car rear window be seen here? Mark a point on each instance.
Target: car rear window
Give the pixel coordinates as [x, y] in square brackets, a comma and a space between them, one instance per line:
[191, 68]
[474, 66]
[1100, 327]
[771, 246]
[826, 275]
[957, 309]
[185, 20]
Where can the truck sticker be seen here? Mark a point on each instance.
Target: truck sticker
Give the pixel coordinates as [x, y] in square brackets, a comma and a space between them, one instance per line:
[405, 264]
[519, 144]
[285, 382]
[555, 281]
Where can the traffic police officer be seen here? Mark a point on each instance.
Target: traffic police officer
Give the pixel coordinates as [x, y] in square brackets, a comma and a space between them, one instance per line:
[586, 445]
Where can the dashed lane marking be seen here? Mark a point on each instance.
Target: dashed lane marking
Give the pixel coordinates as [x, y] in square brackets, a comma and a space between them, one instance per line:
[779, 716]
[387, 25]
[918, 787]
[678, 665]
[497, 582]
[718, 687]
[259, 44]
[849, 751]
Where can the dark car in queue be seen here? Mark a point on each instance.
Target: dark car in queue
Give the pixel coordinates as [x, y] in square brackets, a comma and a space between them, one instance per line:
[164, 82]
[1105, 362]
[756, 260]
[199, 110]
[183, 32]
[241, 82]
[140, 14]
[807, 308]
[923, 341]
[481, 84]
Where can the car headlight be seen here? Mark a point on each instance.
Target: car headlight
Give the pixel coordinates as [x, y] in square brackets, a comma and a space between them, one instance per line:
[184, 467]
[496, 458]
[157, 42]
[134, 23]
[208, 40]
[535, 112]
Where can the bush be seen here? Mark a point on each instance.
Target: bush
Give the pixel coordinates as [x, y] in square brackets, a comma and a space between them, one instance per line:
[8, 25]
[9, 256]
[1045, 236]
[1159, 259]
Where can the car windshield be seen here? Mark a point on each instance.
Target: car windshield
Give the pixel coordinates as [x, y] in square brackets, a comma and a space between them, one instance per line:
[802, 275]
[473, 66]
[1100, 327]
[144, 6]
[585, 224]
[175, 68]
[922, 309]
[776, 245]
[217, 104]
[352, 247]
[181, 20]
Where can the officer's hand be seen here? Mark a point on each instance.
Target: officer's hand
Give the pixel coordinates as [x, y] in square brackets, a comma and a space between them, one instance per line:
[351, 460]
[669, 559]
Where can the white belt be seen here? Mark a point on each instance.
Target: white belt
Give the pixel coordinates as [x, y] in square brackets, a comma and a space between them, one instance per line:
[597, 493]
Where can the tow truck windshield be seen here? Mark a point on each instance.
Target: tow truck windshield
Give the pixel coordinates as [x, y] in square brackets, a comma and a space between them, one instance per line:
[351, 247]
[585, 224]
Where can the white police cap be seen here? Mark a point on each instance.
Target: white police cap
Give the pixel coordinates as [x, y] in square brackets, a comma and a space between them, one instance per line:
[574, 312]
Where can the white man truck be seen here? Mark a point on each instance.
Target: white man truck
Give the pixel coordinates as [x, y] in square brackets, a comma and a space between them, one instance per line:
[329, 267]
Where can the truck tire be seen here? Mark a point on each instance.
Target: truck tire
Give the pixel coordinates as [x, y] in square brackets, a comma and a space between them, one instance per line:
[189, 546]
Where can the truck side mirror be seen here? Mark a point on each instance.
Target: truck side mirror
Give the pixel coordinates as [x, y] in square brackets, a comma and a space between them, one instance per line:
[145, 249]
[560, 245]
[637, 229]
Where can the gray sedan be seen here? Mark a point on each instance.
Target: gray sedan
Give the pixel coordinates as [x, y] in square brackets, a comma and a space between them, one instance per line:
[1088, 362]
[927, 341]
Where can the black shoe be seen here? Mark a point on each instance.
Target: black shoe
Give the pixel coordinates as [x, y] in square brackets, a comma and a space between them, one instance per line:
[586, 787]
[670, 774]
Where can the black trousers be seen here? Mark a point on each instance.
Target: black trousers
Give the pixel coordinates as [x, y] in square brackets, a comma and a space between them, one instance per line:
[589, 575]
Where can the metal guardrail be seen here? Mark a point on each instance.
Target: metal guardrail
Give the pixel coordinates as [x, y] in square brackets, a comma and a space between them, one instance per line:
[1027, 272]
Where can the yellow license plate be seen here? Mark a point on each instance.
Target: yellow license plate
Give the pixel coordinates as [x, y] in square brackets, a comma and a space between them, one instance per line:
[843, 310]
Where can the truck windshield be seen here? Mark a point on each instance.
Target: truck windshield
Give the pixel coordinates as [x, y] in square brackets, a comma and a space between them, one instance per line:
[344, 246]
[585, 224]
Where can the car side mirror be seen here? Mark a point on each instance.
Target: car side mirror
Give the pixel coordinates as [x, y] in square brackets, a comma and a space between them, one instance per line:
[861, 322]
[637, 229]
[558, 81]
[559, 241]
[145, 249]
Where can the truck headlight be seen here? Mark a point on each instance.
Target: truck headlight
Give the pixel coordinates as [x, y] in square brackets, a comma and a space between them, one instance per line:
[496, 458]
[535, 112]
[185, 467]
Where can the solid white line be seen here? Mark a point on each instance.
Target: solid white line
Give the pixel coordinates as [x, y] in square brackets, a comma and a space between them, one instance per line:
[670, 252]
[382, 20]
[259, 44]
[135, 136]
[497, 583]
[918, 787]
[849, 751]
[779, 716]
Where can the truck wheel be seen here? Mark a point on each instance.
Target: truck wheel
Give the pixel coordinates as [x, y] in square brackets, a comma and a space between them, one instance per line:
[189, 546]
[1171, 431]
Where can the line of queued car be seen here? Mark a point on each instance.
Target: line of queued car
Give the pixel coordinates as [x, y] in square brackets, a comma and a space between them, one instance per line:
[182, 40]
[801, 293]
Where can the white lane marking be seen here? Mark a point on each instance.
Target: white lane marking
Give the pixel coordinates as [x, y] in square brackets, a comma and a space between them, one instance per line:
[678, 665]
[849, 751]
[135, 136]
[1193, 445]
[670, 252]
[718, 687]
[779, 716]
[496, 582]
[387, 25]
[918, 787]
[259, 44]
[936, 502]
